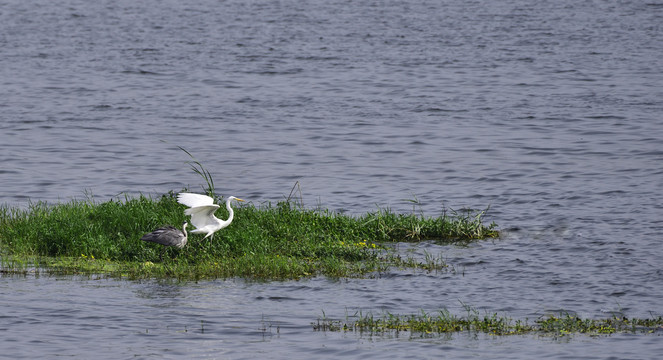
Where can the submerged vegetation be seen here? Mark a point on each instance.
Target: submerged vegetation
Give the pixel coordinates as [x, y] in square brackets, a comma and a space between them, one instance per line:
[265, 242]
[443, 322]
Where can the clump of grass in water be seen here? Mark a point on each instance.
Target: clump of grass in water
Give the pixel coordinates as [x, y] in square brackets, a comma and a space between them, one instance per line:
[281, 241]
[269, 241]
[443, 322]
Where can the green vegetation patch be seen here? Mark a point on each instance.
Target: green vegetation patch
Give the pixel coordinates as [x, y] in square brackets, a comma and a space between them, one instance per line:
[268, 241]
[443, 322]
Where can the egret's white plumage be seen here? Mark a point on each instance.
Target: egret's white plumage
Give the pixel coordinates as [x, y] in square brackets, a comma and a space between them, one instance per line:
[201, 209]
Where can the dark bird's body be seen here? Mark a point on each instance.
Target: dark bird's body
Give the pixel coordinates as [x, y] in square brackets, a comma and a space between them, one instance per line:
[168, 236]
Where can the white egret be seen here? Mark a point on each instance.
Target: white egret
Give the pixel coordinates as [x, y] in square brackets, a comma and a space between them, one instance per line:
[168, 236]
[201, 209]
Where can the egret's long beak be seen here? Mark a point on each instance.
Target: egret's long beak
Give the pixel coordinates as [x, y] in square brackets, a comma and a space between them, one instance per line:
[239, 199]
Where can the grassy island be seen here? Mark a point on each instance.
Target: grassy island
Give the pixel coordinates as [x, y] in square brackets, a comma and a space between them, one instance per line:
[281, 241]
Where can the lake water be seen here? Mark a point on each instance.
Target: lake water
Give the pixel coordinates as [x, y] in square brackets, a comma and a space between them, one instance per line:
[549, 112]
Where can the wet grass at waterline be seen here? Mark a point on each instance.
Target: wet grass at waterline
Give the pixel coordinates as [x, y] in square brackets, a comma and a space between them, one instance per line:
[443, 322]
[270, 241]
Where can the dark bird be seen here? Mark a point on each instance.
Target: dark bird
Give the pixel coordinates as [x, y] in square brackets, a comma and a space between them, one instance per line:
[168, 236]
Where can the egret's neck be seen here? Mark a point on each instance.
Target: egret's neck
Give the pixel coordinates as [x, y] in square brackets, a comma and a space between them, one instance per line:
[231, 213]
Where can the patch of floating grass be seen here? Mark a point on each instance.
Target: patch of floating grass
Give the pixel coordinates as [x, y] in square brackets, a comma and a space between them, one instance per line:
[443, 322]
[279, 241]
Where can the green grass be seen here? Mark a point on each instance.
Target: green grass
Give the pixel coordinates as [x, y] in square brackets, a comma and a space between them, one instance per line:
[279, 241]
[443, 322]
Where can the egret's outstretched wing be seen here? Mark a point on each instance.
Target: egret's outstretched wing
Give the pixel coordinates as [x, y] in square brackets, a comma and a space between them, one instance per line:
[202, 216]
[194, 200]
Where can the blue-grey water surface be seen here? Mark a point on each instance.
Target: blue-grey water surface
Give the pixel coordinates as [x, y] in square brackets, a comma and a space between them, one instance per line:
[549, 112]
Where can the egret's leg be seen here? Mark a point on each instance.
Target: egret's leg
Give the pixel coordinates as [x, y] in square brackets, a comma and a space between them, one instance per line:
[210, 240]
